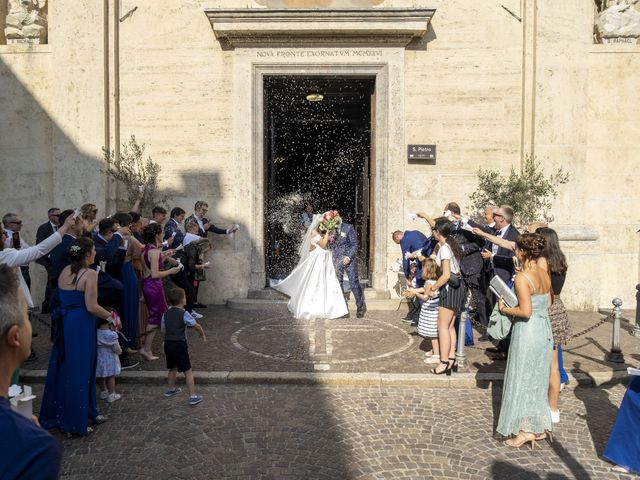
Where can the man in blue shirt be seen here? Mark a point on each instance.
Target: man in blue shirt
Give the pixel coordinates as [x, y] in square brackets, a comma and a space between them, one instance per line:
[411, 242]
[28, 451]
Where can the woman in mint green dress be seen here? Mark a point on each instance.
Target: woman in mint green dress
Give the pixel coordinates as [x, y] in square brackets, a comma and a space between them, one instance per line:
[525, 413]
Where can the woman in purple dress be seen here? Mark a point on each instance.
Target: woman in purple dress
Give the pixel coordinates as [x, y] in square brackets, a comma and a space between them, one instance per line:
[152, 260]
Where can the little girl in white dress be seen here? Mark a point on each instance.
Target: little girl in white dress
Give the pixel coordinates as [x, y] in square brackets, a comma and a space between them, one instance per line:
[108, 363]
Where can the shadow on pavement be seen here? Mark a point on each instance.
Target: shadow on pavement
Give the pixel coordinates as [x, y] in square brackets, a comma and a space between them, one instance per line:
[600, 410]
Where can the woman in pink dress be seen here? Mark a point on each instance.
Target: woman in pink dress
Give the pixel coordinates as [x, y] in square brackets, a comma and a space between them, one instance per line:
[152, 261]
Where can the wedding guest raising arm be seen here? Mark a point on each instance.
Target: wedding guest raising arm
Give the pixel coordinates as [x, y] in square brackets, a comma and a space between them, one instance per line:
[204, 225]
[16, 258]
[136, 205]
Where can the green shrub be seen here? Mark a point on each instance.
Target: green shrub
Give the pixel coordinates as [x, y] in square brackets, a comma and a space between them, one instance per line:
[530, 192]
[131, 170]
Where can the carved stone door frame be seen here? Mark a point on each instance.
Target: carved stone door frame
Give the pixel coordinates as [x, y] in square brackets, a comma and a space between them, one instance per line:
[253, 107]
[359, 42]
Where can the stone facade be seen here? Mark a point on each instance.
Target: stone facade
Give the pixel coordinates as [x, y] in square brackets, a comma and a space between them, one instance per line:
[483, 86]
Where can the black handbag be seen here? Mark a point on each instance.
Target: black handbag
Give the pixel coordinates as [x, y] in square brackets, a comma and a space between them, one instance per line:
[454, 280]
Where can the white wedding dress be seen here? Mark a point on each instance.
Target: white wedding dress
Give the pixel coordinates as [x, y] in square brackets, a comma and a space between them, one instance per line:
[313, 287]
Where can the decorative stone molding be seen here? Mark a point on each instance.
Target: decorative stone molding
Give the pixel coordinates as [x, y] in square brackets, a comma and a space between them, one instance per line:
[254, 28]
[26, 22]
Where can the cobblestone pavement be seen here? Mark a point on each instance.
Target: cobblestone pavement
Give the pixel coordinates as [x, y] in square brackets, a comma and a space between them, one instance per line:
[312, 432]
[274, 342]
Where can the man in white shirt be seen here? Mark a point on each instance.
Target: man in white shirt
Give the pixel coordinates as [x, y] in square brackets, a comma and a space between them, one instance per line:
[12, 225]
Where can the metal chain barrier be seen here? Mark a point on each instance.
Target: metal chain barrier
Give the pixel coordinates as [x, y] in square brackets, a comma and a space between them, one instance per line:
[483, 329]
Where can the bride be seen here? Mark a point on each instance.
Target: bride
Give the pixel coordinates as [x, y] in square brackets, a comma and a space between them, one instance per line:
[313, 287]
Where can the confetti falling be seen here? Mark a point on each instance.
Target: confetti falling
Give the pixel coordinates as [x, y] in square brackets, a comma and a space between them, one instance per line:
[317, 136]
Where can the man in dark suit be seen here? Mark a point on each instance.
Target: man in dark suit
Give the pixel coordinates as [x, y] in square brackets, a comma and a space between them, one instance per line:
[58, 256]
[344, 245]
[501, 264]
[59, 260]
[44, 231]
[204, 226]
[501, 259]
[107, 242]
[201, 208]
[472, 262]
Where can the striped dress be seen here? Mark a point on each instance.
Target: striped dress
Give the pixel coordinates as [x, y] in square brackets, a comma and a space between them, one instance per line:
[428, 320]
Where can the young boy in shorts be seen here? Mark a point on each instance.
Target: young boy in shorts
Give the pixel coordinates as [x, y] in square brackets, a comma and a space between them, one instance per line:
[174, 323]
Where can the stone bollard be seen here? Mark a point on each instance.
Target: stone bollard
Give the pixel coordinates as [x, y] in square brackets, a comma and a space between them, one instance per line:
[636, 327]
[461, 357]
[615, 355]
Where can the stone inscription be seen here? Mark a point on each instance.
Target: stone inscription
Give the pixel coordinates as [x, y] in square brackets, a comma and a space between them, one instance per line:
[297, 53]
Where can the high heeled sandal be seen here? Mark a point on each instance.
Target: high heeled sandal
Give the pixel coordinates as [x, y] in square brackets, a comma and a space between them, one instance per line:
[520, 439]
[446, 371]
[546, 435]
[454, 365]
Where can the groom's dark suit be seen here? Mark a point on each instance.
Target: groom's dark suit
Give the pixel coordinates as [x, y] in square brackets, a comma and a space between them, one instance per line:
[345, 244]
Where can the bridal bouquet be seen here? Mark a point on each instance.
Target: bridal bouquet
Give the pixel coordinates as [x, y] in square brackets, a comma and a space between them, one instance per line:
[330, 221]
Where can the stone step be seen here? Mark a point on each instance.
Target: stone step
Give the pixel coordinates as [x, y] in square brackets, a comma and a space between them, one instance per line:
[271, 294]
[280, 305]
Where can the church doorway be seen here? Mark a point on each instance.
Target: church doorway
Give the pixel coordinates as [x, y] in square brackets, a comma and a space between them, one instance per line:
[318, 151]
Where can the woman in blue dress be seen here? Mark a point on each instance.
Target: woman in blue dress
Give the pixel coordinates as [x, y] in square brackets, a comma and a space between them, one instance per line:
[623, 447]
[69, 399]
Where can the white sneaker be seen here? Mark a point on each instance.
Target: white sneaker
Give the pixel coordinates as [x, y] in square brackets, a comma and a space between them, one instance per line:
[104, 395]
[196, 315]
[555, 416]
[113, 397]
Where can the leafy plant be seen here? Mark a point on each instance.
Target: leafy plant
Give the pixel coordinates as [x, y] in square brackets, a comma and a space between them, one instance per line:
[530, 192]
[132, 170]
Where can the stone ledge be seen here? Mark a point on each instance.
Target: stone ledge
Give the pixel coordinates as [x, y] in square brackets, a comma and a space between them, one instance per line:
[24, 48]
[259, 27]
[367, 379]
[614, 48]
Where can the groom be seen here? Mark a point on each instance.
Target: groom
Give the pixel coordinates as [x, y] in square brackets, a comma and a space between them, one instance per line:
[344, 246]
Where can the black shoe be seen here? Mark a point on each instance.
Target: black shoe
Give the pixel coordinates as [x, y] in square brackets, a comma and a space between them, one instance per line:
[484, 338]
[126, 364]
[414, 323]
[408, 319]
[361, 311]
[199, 305]
[346, 316]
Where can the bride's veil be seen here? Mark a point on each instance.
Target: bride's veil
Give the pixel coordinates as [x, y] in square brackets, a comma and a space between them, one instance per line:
[305, 246]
